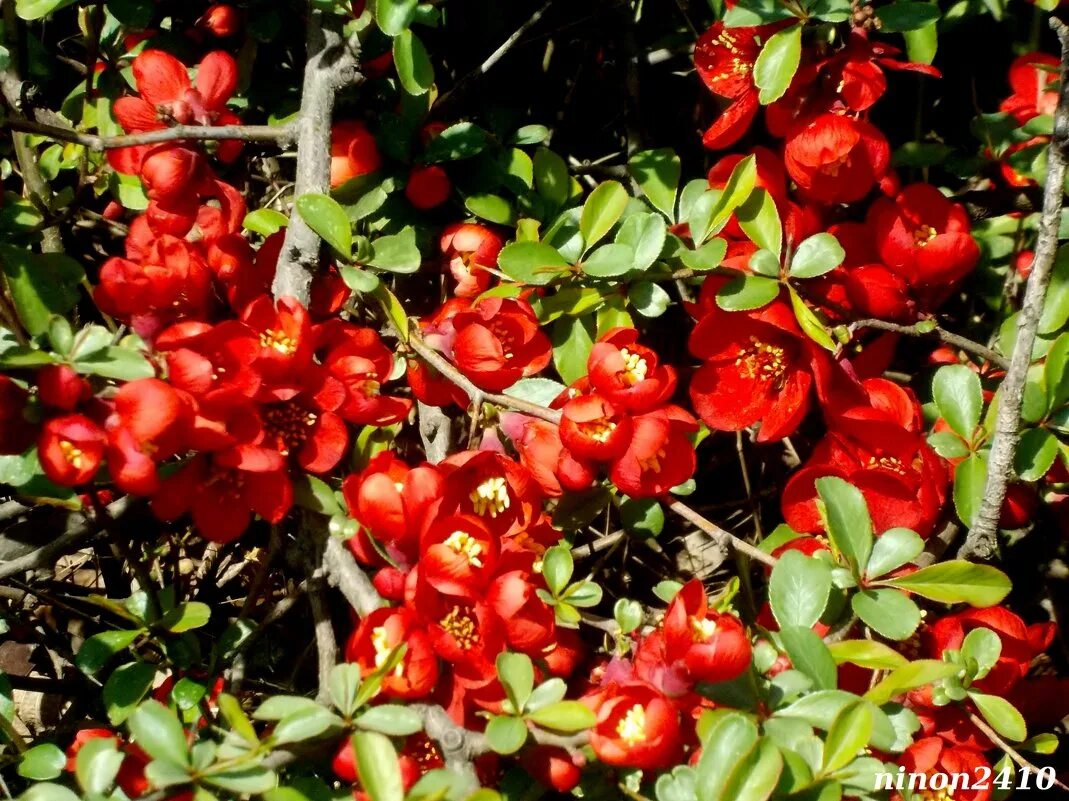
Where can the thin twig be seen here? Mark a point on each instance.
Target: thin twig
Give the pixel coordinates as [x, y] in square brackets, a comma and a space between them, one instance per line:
[981, 541]
[1008, 749]
[343, 572]
[278, 134]
[919, 330]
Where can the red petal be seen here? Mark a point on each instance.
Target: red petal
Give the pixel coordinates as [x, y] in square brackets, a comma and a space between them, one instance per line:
[161, 78]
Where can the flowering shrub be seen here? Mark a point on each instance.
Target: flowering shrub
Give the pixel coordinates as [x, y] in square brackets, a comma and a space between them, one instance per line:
[362, 435]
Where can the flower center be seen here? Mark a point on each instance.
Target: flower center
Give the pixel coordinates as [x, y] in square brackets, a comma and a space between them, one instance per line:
[923, 235]
[380, 641]
[832, 168]
[463, 543]
[71, 453]
[278, 340]
[652, 464]
[461, 626]
[288, 425]
[762, 361]
[892, 463]
[632, 726]
[504, 336]
[702, 629]
[635, 367]
[598, 430]
[490, 497]
[935, 795]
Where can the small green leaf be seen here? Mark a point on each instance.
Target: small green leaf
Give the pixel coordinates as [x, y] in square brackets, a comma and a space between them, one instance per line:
[817, 255]
[394, 16]
[396, 253]
[809, 321]
[125, 688]
[888, 612]
[760, 221]
[42, 762]
[906, 15]
[777, 63]
[707, 257]
[1036, 452]
[956, 582]
[265, 221]
[645, 234]
[506, 734]
[97, 764]
[376, 763]
[563, 716]
[557, 567]
[736, 191]
[305, 724]
[745, 292]
[848, 735]
[983, 647]
[115, 361]
[959, 398]
[36, 9]
[391, 719]
[414, 68]
[98, 650]
[909, 677]
[460, 141]
[516, 673]
[602, 210]
[657, 173]
[41, 284]
[867, 654]
[490, 207]
[325, 216]
[798, 589]
[892, 549]
[186, 616]
[649, 299]
[156, 729]
[970, 477]
[847, 517]
[609, 261]
[1001, 715]
[533, 263]
[810, 655]
[551, 177]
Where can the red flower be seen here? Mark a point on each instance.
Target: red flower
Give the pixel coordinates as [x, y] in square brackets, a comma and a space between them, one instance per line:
[466, 634]
[353, 152]
[428, 187]
[150, 423]
[660, 455]
[458, 555]
[359, 360]
[70, 449]
[378, 634]
[467, 250]
[714, 647]
[591, 428]
[552, 767]
[930, 756]
[539, 446]
[131, 776]
[757, 368]
[212, 363]
[223, 491]
[284, 331]
[836, 159]
[61, 388]
[924, 237]
[391, 500]
[627, 374]
[724, 58]
[221, 20]
[528, 622]
[637, 727]
[498, 342]
[1034, 81]
[492, 487]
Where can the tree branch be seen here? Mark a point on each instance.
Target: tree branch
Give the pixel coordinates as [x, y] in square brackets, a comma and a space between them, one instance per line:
[280, 134]
[917, 330]
[343, 572]
[982, 540]
[332, 64]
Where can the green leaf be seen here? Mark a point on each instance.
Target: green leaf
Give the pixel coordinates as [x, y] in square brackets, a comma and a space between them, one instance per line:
[760, 221]
[392, 719]
[648, 298]
[736, 191]
[890, 613]
[344, 684]
[777, 63]
[557, 567]
[817, 255]
[396, 253]
[551, 177]
[959, 398]
[645, 234]
[798, 589]
[506, 734]
[97, 764]
[460, 141]
[983, 647]
[563, 716]
[516, 673]
[316, 495]
[277, 707]
[956, 582]
[906, 15]
[909, 677]
[42, 762]
[265, 221]
[707, 257]
[765, 262]
[756, 776]
[657, 174]
[848, 735]
[809, 321]
[325, 216]
[573, 340]
[98, 650]
[305, 724]
[186, 617]
[847, 517]
[867, 654]
[376, 763]
[156, 729]
[810, 655]
[1001, 715]
[490, 207]
[602, 210]
[745, 292]
[533, 263]
[125, 688]
[727, 744]
[41, 285]
[540, 391]
[239, 722]
[117, 362]
[970, 477]
[922, 44]
[609, 261]
[892, 549]
[414, 68]
[253, 780]
[642, 516]
[359, 279]
[393, 17]
[1056, 305]
[36, 9]
[1036, 452]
